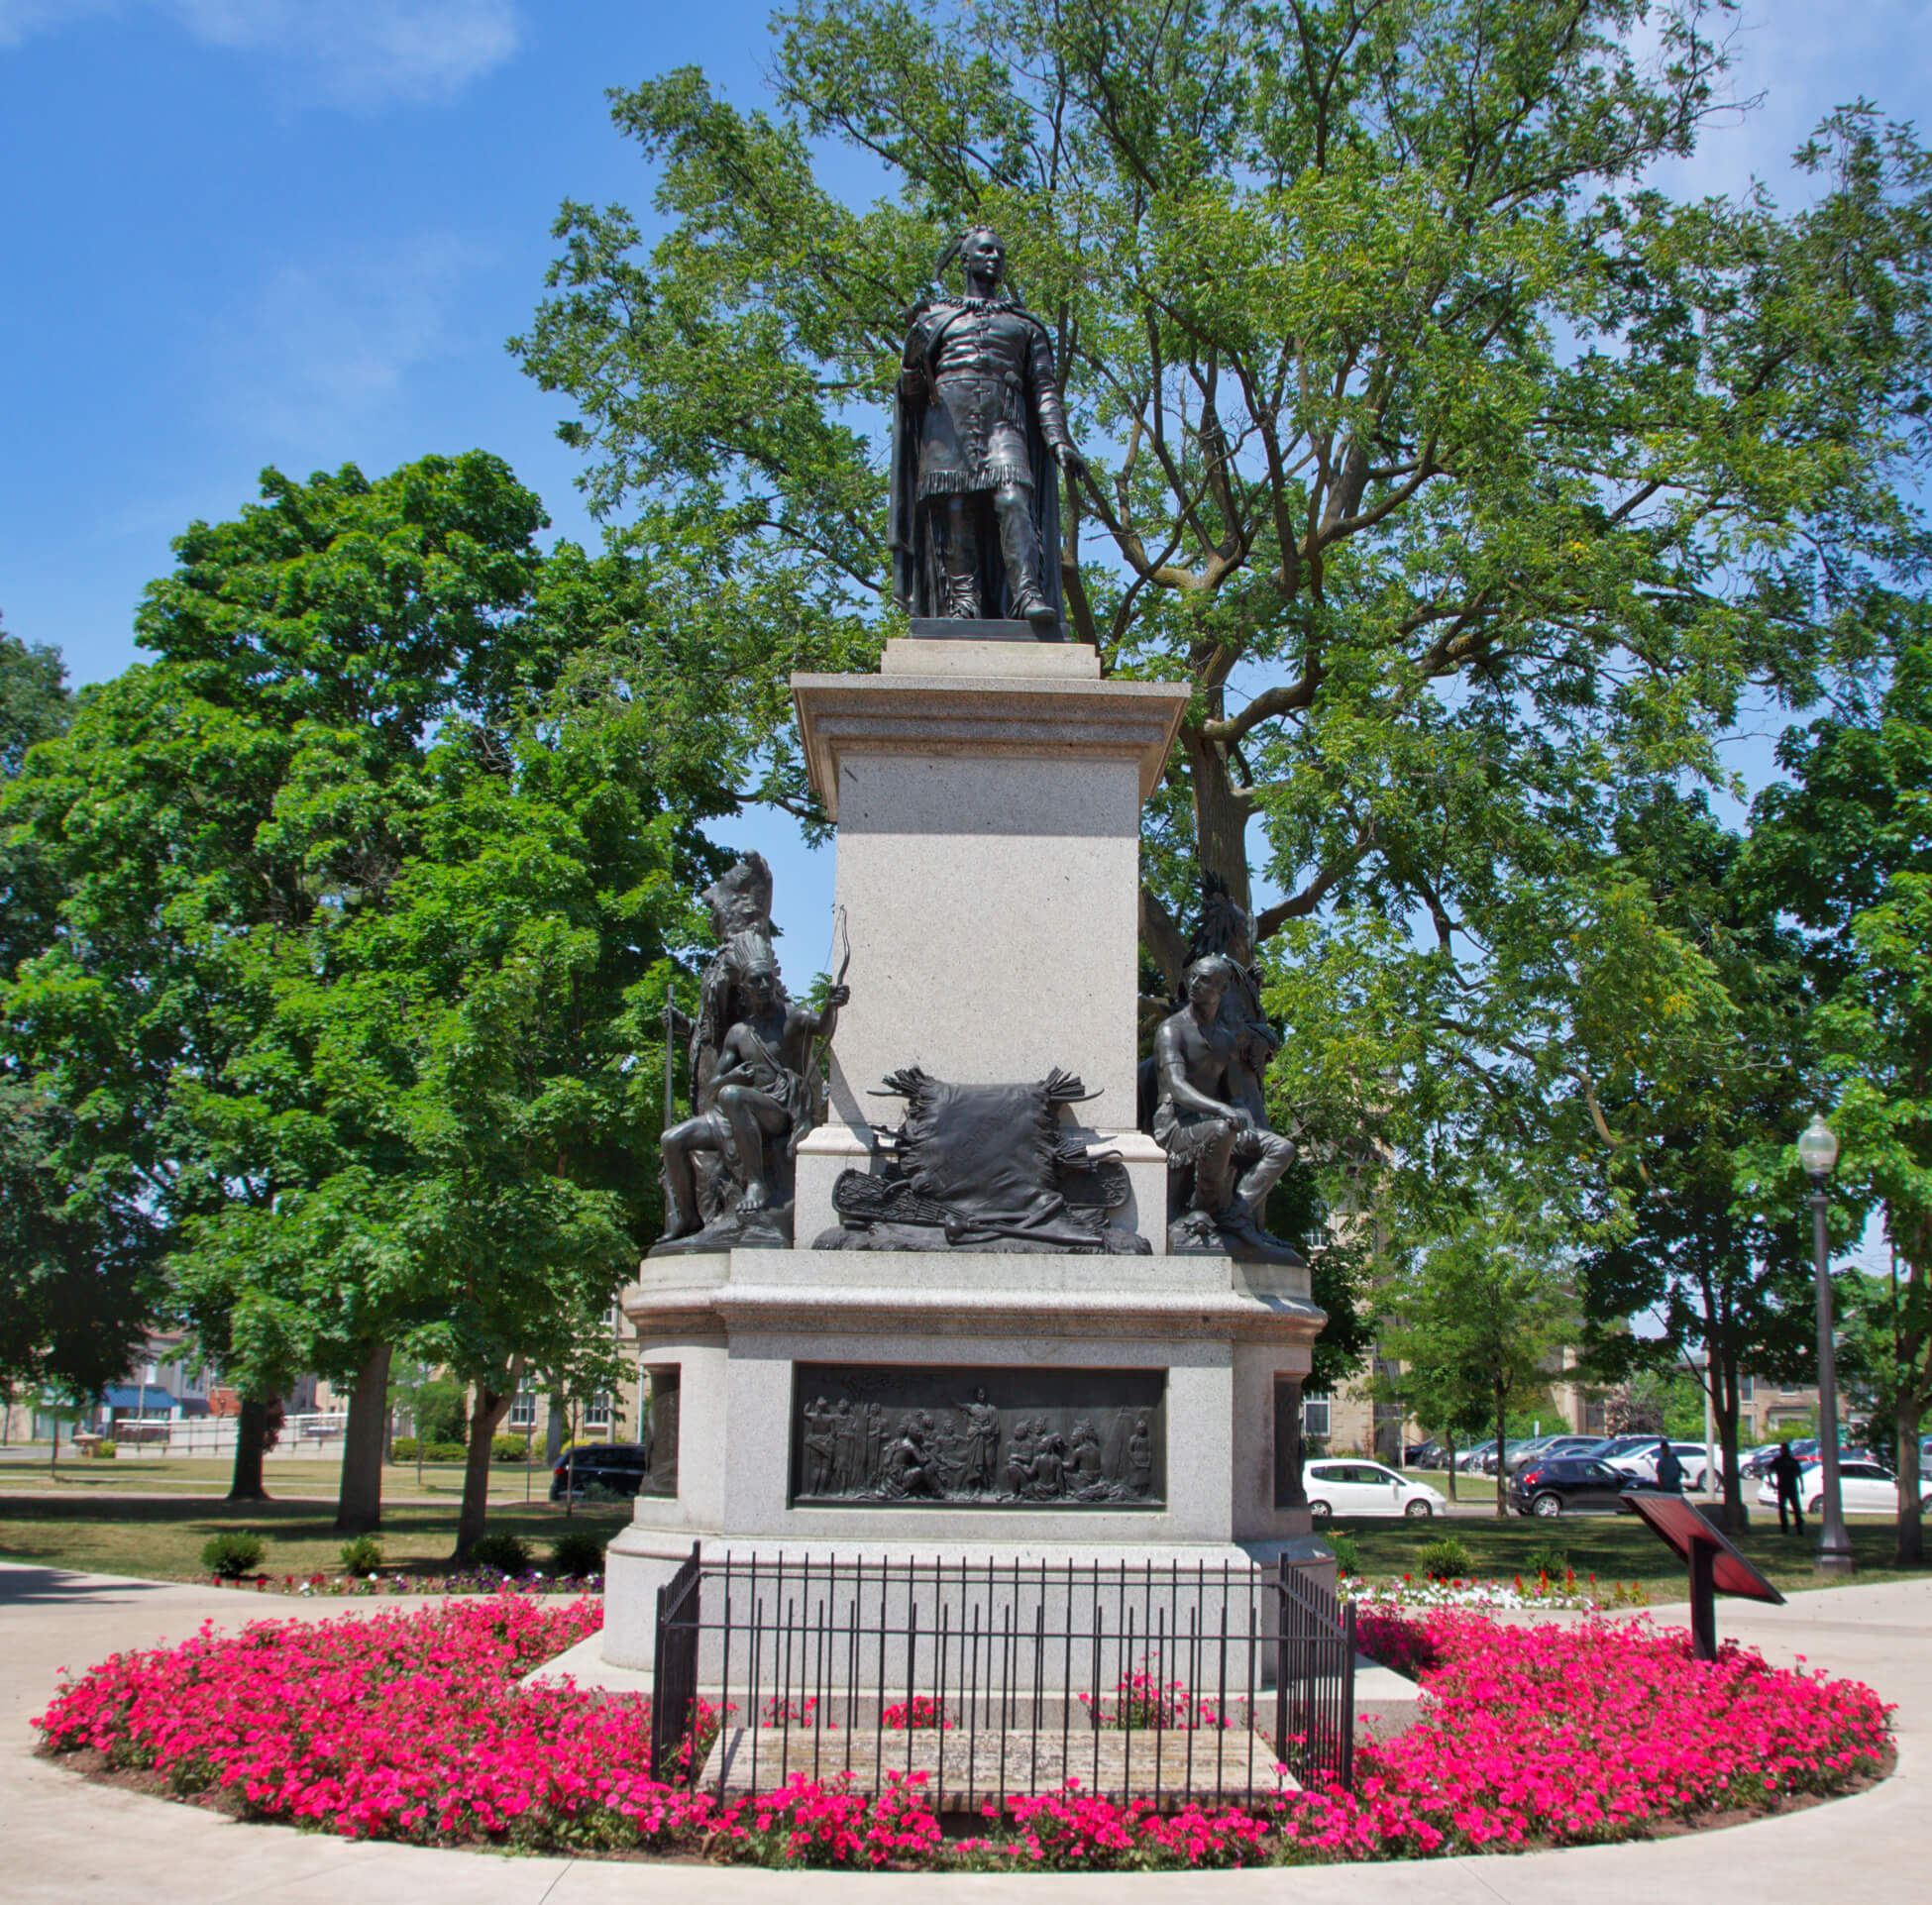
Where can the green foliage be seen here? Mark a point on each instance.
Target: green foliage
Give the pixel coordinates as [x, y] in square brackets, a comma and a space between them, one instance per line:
[505, 1553]
[408, 1448]
[1446, 1559]
[363, 1557]
[35, 700]
[577, 1554]
[1847, 849]
[510, 1448]
[441, 1410]
[234, 1554]
[1688, 1232]
[364, 920]
[34, 706]
[1479, 1321]
[1547, 1559]
[76, 1249]
[1466, 478]
[77, 1257]
[104, 1452]
[1348, 1557]
[1338, 1276]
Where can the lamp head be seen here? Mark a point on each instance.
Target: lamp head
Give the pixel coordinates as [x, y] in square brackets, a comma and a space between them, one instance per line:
[1818, 1149]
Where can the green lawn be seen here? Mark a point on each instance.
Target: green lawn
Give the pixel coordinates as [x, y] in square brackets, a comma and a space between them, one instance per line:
[81, 1522]
[159, 1537]
[1613, 1547]
[299, 1475]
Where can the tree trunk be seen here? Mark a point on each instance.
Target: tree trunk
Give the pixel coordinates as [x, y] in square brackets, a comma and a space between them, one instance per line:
[251, 1445]
[553, 1429]
[359, 1504]
[1502, 1475]
[485, 1413]
[1449, 1442]
[1220, 814]
[1724, 1408]
[1909, 1542]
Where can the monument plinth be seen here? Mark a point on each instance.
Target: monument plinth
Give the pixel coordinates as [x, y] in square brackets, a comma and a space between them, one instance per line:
[962, 1399]
[988, 800]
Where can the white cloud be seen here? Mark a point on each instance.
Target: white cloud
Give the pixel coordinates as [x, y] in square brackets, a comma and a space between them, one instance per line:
[367, 51]
[361, 53]
[329, 346]
[21, 18]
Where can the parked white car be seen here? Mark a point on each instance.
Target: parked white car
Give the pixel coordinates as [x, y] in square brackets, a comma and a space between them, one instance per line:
[1863, 1487]
[1347, 1486]
[1641, 1462]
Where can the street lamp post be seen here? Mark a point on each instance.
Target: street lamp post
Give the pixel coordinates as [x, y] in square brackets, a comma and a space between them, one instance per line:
[1818, 1152]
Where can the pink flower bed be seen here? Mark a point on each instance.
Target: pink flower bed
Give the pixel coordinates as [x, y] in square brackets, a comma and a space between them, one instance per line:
[1577, 1734]
[411, 1725]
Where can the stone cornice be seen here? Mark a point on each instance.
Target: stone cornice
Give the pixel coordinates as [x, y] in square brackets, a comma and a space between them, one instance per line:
[1040, 719]
[1203, 1296]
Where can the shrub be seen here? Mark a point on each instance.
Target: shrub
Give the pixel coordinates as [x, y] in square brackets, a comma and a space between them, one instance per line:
[577, 1552]
[508, 1448]
[362, 1557]
[442, 1411]
[1347, 1557]
[1446, 1559]
[104, 1452]
[408, 1448]
[507, 1553]
[230, 1556]
[1547, 1559]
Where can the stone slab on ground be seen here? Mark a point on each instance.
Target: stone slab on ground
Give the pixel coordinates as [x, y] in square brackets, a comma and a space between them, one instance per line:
[967, 1771]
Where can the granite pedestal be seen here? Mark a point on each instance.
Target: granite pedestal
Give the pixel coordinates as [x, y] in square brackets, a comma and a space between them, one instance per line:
[988, 798]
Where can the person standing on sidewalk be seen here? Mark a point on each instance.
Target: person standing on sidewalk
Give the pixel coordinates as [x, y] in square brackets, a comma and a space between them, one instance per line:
[1785, 1468]
[1670, 1471]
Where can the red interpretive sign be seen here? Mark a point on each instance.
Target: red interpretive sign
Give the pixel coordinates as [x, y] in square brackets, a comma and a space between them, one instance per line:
[1715, 1565]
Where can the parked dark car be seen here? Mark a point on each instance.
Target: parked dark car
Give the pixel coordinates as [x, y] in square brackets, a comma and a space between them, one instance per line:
[1553, 1448]
[1570, 1486]
[621, 1467]
[1423, 1455]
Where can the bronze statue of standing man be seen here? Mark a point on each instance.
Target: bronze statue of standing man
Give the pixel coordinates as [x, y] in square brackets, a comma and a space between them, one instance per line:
[979, 436]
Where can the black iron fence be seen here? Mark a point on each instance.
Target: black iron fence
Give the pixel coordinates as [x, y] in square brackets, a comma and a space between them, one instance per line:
[992, 1679]
[1315, 1680]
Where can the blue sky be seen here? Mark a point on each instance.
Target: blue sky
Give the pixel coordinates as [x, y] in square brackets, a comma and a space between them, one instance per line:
[244, 232]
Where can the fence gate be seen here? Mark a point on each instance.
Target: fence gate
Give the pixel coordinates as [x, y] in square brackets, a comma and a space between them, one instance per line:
[1315, 1680]
[674, 1683]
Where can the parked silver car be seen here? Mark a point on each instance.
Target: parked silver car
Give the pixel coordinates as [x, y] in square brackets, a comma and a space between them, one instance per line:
[1641, 1462]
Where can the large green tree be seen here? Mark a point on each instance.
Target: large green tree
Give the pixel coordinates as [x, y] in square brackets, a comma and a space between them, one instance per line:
[444, 1085]
[1464, 475]
[76, 1259]
[1686, 1230]
[1845, 847]
[218, 822]
[1480, 1319]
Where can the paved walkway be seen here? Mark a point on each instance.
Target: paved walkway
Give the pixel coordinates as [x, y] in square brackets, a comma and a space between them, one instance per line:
[63, 1842]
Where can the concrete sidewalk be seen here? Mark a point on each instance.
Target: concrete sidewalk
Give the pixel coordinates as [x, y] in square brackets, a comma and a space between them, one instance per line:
[63, 1842]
